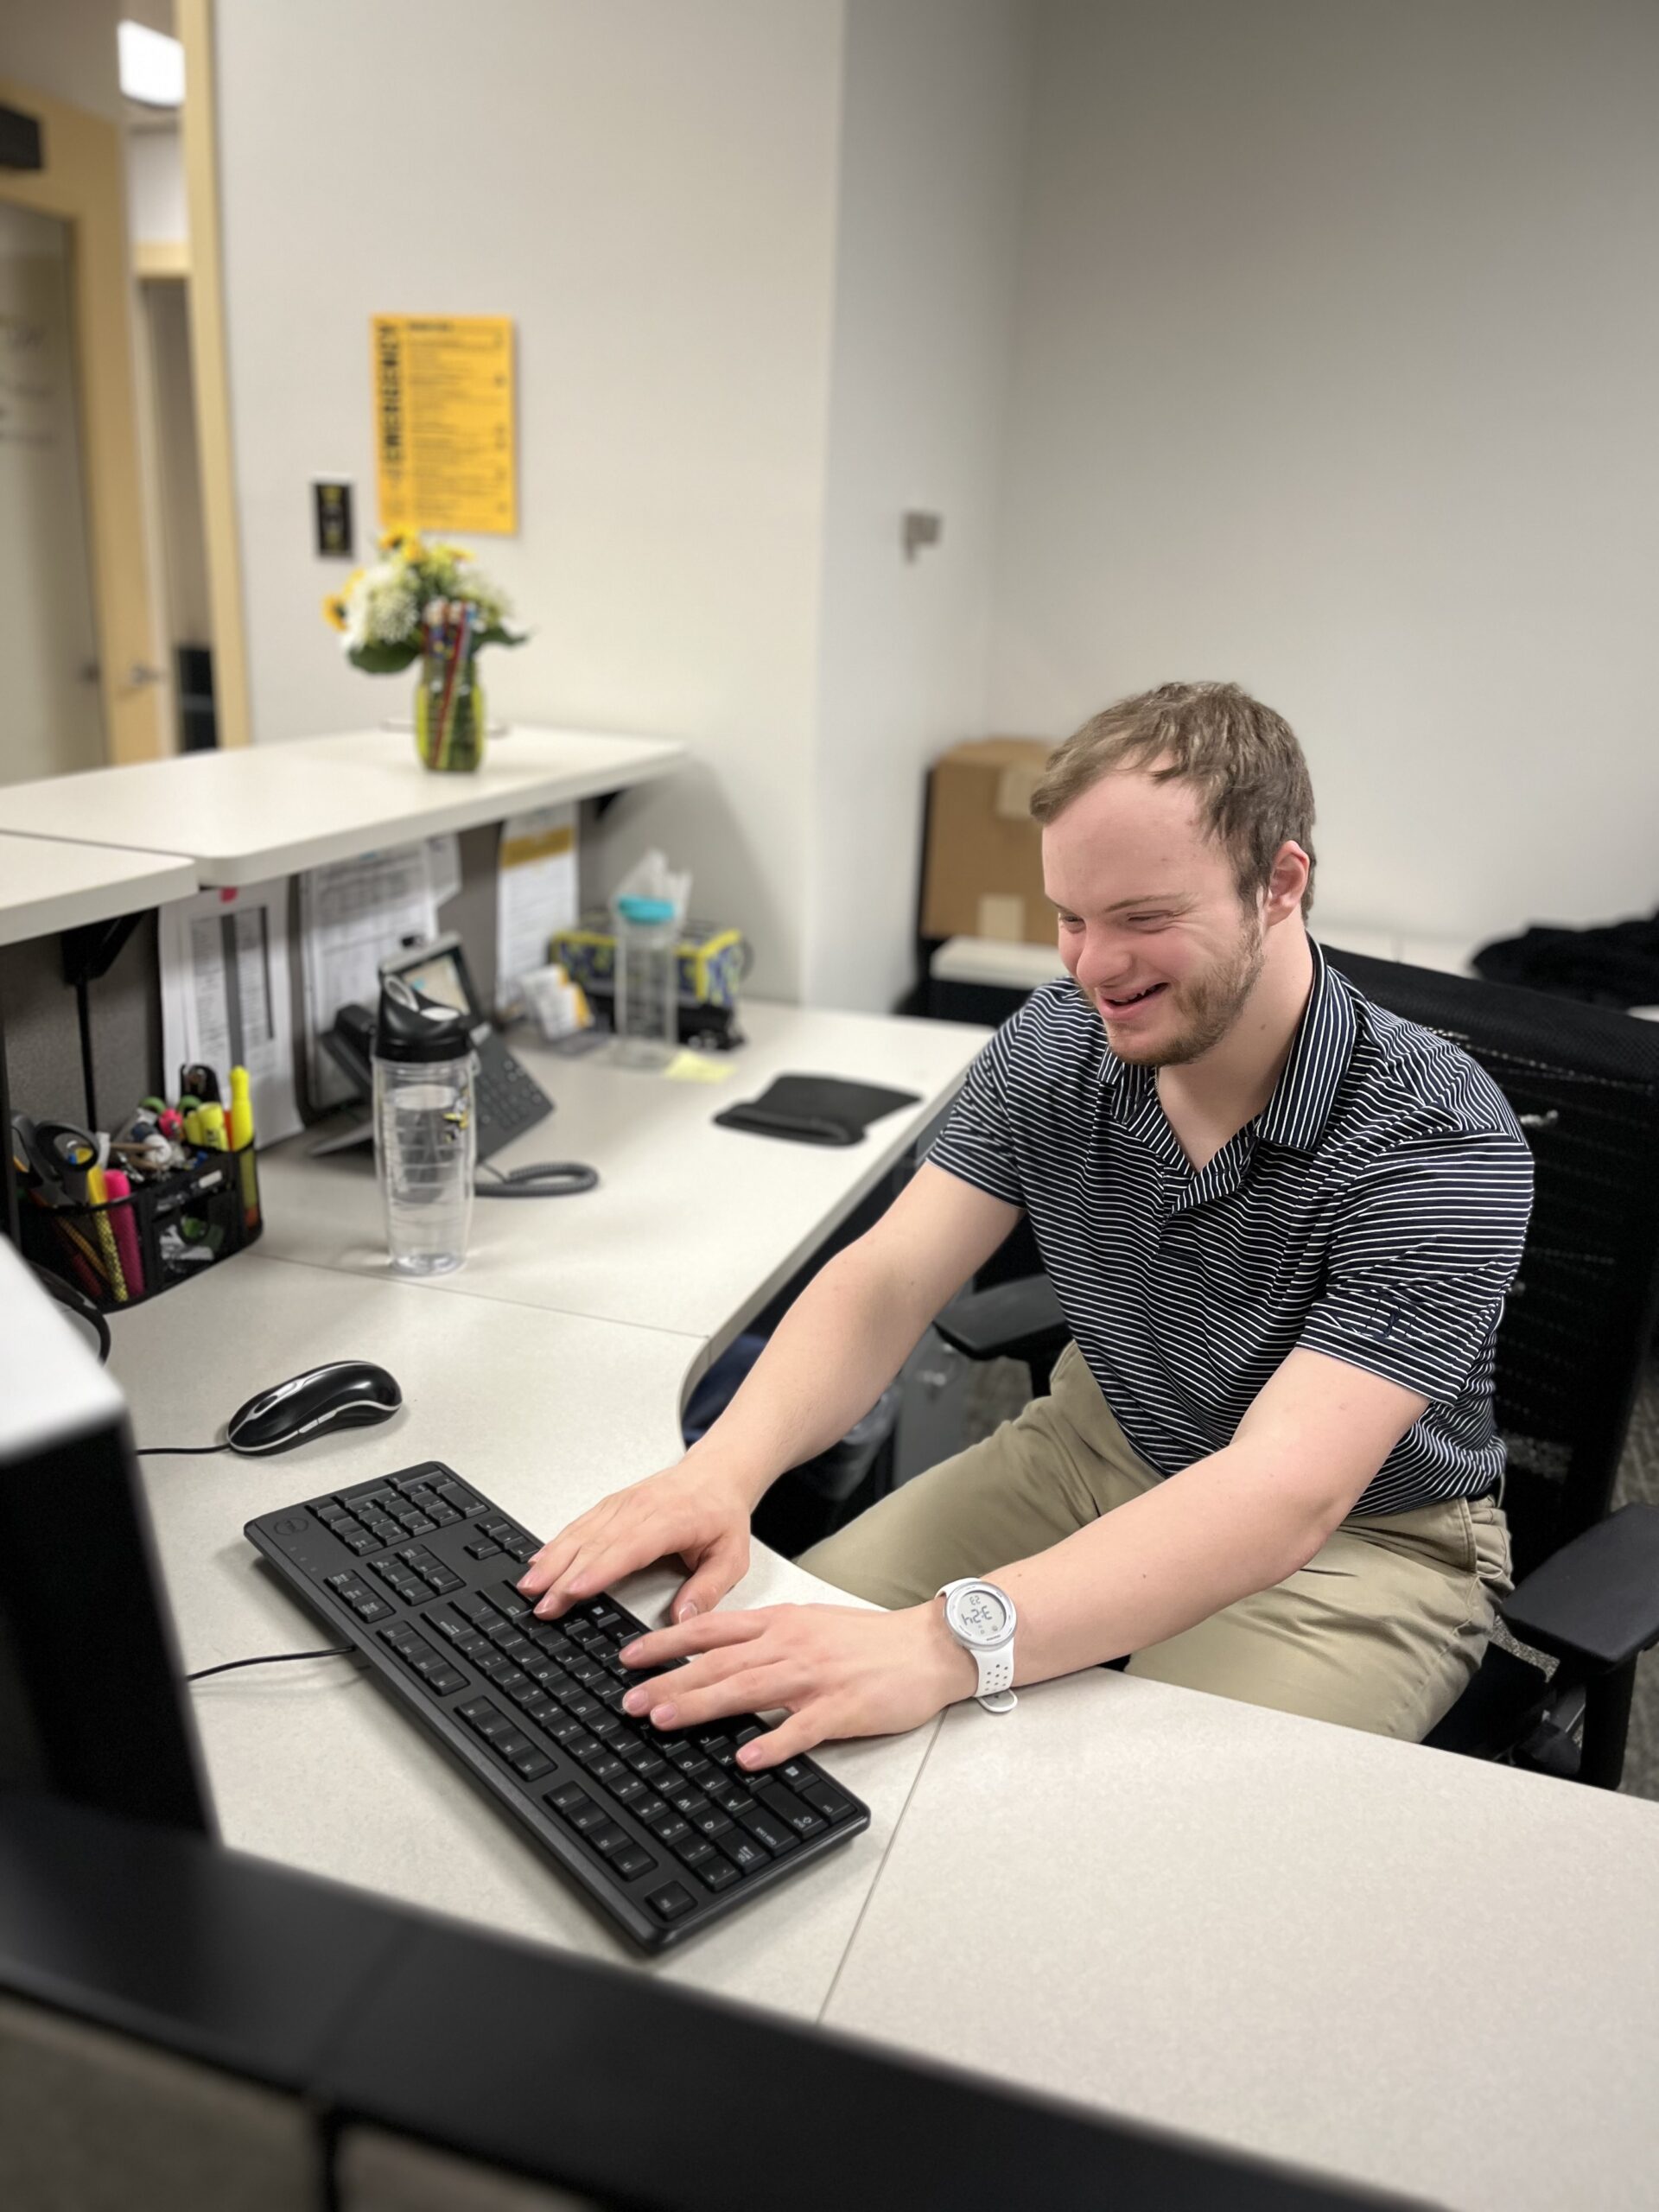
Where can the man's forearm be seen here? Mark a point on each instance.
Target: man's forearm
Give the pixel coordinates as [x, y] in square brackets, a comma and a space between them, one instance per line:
[829, 1359]
[1156, 1565]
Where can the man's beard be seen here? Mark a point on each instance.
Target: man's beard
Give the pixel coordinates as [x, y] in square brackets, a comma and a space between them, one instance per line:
[1209, 1004]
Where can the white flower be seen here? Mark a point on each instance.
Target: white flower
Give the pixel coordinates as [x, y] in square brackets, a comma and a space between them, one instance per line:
[382, 608]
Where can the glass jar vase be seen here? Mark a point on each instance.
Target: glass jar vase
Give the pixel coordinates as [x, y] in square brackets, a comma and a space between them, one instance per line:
[450, 713]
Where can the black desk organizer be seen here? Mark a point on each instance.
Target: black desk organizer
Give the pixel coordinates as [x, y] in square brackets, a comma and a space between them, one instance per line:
[183, 1224]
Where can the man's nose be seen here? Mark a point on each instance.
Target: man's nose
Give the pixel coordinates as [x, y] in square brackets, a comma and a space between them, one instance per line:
[1102, 960]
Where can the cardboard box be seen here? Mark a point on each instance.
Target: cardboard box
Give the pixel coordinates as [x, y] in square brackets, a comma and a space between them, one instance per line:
[982, 873]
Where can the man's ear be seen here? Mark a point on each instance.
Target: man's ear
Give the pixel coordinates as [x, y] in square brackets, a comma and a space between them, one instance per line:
[1291, 869]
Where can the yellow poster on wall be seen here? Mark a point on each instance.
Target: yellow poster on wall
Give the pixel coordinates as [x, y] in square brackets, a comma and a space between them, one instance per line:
[445, 424]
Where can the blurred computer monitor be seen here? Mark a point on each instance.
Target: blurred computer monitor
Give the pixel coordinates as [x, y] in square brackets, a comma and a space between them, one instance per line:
[91, 1704]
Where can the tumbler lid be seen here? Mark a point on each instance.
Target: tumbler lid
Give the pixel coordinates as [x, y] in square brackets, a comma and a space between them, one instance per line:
[634, 906]
[411, 1027]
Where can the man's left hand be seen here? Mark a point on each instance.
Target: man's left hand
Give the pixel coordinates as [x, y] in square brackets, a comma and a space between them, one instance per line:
[838, 1671]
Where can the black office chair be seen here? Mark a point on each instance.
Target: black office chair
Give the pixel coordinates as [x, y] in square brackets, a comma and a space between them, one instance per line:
[1584, 1083]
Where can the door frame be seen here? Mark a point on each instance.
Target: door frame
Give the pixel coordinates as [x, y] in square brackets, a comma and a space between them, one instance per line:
[82, 185]
[193, 25]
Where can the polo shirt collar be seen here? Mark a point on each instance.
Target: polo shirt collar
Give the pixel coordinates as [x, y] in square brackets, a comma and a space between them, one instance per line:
[1294, 1117]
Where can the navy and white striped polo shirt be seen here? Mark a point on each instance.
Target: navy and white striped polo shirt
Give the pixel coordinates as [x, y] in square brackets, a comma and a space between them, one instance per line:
[1375, 1210]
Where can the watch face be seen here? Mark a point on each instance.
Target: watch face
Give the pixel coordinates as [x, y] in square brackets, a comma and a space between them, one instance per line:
[980, 1614]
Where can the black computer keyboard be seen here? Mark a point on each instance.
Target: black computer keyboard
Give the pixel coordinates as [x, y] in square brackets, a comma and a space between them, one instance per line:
[664, 1833]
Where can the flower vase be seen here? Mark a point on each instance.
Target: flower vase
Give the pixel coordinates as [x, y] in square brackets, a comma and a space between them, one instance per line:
[450, 713]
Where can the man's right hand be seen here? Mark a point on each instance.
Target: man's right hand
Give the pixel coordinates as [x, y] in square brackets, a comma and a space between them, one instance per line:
[688, 1512]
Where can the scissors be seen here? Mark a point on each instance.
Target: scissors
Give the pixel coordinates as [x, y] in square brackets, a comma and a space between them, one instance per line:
[56, 1157]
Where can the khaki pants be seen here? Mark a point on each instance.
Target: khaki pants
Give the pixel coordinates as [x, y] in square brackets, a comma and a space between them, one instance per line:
[1382, 1629]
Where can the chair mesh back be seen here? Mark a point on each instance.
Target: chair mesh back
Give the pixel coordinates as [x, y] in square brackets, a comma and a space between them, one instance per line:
[1583, 1081]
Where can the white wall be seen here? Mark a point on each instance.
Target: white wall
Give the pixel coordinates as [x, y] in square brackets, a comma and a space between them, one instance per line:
[649, 189]
[932, 159]
[1338, 351]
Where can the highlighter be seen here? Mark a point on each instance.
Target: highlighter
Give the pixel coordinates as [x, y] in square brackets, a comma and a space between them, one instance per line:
[242, 1142]
[212, 1120]
[125, 1223]
[98, 1195]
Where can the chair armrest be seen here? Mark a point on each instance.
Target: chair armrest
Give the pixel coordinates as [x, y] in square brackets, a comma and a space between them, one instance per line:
[1006, 1322]
[1596, 1598]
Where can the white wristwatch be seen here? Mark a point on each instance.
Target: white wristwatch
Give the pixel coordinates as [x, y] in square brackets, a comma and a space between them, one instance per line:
[983, 1619]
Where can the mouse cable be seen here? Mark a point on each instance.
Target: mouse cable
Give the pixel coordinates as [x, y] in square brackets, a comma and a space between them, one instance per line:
[274, 1659]
[549, 1178]
[176, 1451]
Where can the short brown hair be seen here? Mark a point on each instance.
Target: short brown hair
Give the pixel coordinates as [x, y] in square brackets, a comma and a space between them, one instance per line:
[1253, 785]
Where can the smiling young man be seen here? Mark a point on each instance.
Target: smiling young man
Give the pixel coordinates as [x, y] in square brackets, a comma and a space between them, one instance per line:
[1281, 1224]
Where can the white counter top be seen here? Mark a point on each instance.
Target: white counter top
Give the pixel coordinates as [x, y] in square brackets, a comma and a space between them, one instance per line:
[309, 1764]
[269, 810]
[693, 1227]
[48, 884]
[1367, 1958]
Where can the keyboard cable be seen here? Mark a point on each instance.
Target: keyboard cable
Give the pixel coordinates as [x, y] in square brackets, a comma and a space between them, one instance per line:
[274, 1659]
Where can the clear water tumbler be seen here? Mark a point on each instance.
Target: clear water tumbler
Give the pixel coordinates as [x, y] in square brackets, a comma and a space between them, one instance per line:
[425, 1129]
[647, 982]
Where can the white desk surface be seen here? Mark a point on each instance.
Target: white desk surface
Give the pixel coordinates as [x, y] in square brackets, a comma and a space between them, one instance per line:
[51, 884]
[693, 1227]
[266, 811]
[1359, 1956]
[307, 1763]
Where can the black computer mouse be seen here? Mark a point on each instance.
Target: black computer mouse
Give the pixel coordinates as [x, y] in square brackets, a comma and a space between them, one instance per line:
[346, 1394]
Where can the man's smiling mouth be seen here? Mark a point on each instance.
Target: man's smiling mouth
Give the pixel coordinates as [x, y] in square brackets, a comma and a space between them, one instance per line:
[1135, 998]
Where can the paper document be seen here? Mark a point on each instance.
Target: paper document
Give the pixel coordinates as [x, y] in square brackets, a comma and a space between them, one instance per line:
[444, 866]
[535, 895]
[352, 913]
[224, 997]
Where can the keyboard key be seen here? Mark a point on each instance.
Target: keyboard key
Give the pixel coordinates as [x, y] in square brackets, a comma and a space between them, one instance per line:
[692, 1851]
[568, 1799]
[670, 1828]
[745, 1853]
[483, 1549]
[767, 1828]
[718, 1874]
[824, 1798]
[633, 1861]
[590, 1816]
[789, 1808]
[709, 1822]
[671, 1903]
[447, 1681]
[607, 1839]
[629, 1791]
[649, 1810]
[530, 1763]
[732, 1797]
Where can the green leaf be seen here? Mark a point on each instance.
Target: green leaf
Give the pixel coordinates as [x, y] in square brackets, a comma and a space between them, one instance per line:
[384, 660]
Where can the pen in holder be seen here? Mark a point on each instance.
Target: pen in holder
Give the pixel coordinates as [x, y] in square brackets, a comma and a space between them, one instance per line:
[138, 1241]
